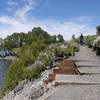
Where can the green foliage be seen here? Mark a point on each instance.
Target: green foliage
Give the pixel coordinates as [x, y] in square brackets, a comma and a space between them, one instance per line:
[60, 38]
[98, 30]
[17, 72]
[54, 39]
[76, 48]
[37, 47]
[17, 40]
[89, 41]
[28, 48]
[69, 50]
[16, 51]
[26, 56]
[14, 75]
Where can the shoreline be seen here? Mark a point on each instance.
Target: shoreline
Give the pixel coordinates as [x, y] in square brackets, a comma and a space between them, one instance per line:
[12, 58]
[33, 90]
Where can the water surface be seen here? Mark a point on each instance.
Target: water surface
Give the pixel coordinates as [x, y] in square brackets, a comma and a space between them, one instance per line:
[3, 68]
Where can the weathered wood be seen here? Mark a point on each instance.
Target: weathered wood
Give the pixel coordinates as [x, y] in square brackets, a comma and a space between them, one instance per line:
[66, 67]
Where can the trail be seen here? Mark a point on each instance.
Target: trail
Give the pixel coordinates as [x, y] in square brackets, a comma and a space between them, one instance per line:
[80, 87]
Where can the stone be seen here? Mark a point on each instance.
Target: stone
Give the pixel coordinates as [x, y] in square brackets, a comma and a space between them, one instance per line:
[20, 86]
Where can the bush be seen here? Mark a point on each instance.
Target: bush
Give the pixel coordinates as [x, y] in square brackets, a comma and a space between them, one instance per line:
[14, 75]
[26, 56]
[89, 41]
[69, 50]
[37, 47]
[98, 51]
[76, 48]
[18, 72]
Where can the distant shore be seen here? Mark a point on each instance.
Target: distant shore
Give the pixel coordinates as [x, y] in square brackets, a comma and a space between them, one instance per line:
[12, 58]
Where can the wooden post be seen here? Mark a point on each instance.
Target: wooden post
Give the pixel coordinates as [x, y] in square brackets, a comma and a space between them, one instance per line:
[72, 47]
[73, 37]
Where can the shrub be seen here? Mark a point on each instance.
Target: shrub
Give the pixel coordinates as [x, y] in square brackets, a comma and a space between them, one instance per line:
[26, 56]
[76, 48]
[18, 72]
[89, 41]
[69, 50]
[98, 51]
[14, 75]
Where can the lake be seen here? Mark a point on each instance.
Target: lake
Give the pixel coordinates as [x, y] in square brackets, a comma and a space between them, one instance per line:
[3, 68]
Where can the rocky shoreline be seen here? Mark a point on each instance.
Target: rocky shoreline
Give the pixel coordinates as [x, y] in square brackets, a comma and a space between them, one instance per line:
[32, 90]
[28, 90]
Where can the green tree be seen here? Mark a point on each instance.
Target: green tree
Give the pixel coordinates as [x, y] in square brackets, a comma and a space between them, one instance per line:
[60, 38]
[98, 30]
[54, 38]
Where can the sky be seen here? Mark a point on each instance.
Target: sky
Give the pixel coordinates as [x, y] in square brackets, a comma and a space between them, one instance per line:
[66, 17]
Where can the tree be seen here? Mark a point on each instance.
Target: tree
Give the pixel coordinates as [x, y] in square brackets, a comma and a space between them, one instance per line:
[40, 34]
[18, 40]
[60, 38]
[54, 38]
[98, 30]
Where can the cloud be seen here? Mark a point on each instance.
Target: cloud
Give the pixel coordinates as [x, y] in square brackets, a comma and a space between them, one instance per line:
[12, 3]
[32, 2]
[67, 29]
[83, 19]
[22, 13]
[20, 22]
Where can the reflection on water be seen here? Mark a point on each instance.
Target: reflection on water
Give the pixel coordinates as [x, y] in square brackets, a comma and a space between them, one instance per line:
[3, 68]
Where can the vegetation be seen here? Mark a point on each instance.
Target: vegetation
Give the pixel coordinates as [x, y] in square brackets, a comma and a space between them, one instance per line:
[18, 40]
[35, 50]
[98, 30]
[93, 41]
[89, 40]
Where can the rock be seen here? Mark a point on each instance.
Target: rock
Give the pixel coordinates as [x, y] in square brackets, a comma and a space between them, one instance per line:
[54, 64]
[47, 67]
[66, 56]
[59, 59]
[20, 97]
[20, 86]
[27, 90]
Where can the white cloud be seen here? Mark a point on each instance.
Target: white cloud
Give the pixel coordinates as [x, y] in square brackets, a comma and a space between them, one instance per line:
[83, 19]
[20, 23]
[67, 29]
[32, 2]
[12, 3]
[22, 13]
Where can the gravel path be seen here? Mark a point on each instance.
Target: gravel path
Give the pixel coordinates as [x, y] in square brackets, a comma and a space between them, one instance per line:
[80, 92]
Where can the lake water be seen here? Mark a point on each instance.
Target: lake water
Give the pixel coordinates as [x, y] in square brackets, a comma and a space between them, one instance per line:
[3, 68]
